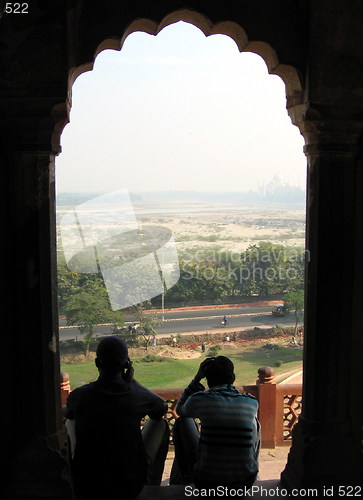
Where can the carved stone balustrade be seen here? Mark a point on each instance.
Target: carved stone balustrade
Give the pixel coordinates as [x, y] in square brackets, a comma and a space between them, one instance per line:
[279, 405]
[65, 387]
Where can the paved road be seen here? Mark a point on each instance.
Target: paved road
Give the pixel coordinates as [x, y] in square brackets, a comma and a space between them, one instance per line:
[198, 320]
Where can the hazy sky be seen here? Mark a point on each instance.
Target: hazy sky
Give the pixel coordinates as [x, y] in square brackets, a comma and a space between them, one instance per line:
[178, 111]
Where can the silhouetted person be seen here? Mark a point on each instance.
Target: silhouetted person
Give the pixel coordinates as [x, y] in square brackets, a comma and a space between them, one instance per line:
[112, 457]
[225, 452]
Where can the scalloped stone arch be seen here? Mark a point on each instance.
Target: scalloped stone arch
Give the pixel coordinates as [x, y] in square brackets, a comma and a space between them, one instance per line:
[287, 73]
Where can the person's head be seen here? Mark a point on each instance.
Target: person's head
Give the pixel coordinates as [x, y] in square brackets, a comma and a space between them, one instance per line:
[219, 371]
[112, 355]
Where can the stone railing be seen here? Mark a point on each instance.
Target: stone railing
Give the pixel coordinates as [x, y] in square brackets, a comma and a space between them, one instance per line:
[65, 387]
[279, 405]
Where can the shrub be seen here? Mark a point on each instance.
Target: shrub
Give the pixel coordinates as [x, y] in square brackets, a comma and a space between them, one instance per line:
[272, 347]
[214, 350]
[151, 358]
[279, 330]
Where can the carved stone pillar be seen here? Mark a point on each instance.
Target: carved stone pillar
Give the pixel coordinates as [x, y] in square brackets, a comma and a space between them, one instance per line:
[327, 441]
[34, 438]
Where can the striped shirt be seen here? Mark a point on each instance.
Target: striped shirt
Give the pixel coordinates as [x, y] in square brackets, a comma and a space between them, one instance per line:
[230, 433]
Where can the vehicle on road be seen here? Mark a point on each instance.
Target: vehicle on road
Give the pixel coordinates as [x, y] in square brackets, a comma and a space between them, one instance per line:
[279, 310]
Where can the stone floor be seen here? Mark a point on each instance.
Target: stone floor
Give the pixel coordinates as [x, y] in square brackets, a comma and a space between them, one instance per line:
[272, 463]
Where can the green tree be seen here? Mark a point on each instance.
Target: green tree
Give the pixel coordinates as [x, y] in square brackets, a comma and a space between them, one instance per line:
[148, 321]
[88, 308]
[68, 284]
[294, 302]
[294, 269]
[72, 283]
[263, 269]
[201, 279]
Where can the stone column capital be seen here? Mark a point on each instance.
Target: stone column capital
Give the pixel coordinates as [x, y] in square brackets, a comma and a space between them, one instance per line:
[33, 126]
[331, 137]
[327, 130]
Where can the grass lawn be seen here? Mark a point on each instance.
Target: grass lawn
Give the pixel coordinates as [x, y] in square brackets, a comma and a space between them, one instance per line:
[173, 373]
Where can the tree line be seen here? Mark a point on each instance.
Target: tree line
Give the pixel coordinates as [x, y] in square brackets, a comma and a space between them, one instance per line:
[212, 275]
[262, 270]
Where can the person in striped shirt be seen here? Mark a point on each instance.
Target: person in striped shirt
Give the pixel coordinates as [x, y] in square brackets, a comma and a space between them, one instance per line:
[225, 451]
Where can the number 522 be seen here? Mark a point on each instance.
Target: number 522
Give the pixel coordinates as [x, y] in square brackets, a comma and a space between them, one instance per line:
[16, 8]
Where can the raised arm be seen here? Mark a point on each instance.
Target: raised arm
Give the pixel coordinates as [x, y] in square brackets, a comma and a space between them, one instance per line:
[194, 386]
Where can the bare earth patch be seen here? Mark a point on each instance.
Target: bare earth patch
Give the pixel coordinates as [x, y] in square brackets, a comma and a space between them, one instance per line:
[190, 350]
[78, 358]
[166, 352]
[193, 350]
[229, 226]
